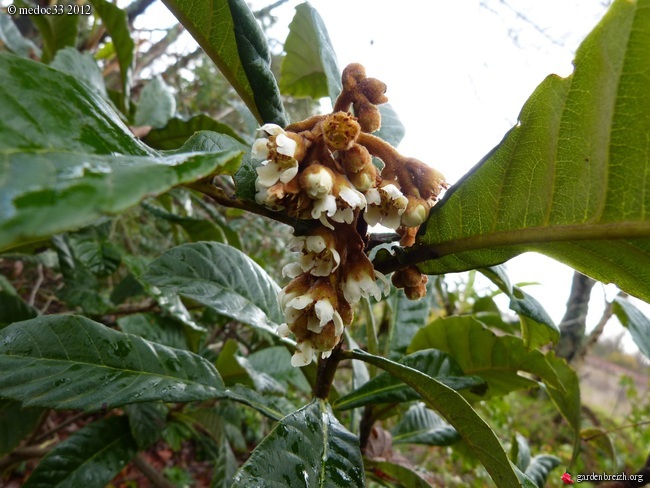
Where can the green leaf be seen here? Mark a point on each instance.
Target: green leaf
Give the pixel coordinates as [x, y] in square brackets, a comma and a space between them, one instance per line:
[408, 316]
[499, 360]
[177, 131]
[220, 277]
[90, 457]
[567, 181]
[276, 362]
[147, 422]
[155, 328]
[454, 408]
[401, 475]
[274, 407]
[13, 40]
[636, 322]
[208, 141]
[228, 32]
[306, 448]
[58, 174]
[386, 388]
[392, 130]
[156, 105]
[421, 425]
[57, 31]
[229, 368]
[537, 327]
[540, 467]
[81, 286]
[196, 229]
[12, 307]
[601, 440]
[16, 423]
[309, 68]
[46, 109]
[66, 361]
[520, 452]
[82, 66]
[116, 23]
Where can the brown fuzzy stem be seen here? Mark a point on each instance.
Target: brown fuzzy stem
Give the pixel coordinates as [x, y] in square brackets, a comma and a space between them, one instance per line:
[220, 196]
[326, 371]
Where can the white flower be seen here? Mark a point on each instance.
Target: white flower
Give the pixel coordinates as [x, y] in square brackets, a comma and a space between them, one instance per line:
[278, 152]
[324, 207]
[269, 196]
[317, 181]
[318, 255]
[385, 206]
[304, 354]
[361, 282]
[318, 313]
[339, 207]
[347, 202]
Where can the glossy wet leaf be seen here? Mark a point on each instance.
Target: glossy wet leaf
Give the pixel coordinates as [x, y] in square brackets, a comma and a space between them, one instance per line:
[220, 277]
[178, 131]
[421, 425]
[156, 105]
[90, 457]
[306, 448]
[385, 388]
[636, 322]
[567, 180]
[155, 328]
[228, 33]
[57, 174]
[16, 423]
[477, 434]
[67, 361]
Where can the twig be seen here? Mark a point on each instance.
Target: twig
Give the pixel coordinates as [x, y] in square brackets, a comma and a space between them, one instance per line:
[595, 334]
[22, 453]
[37, 285]
[151, 473]
[58, 427]
[220, 196]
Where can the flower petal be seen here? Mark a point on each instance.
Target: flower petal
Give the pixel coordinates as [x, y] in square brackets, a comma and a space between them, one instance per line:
[272, 129]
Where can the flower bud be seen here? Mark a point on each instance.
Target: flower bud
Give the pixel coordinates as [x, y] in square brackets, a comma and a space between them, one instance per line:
[317, 181]
[374, 91]
[416, 213]
[340, 131]
[364, 179]
[355, 159]
[369, 117]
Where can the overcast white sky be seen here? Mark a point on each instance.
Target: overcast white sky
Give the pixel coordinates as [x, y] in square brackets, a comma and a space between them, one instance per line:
[458, 74]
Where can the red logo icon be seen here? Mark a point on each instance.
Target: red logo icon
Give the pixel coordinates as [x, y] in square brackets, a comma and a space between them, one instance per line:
[566, 478]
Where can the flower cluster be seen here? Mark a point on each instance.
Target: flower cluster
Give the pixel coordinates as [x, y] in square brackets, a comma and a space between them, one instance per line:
[321, 169]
